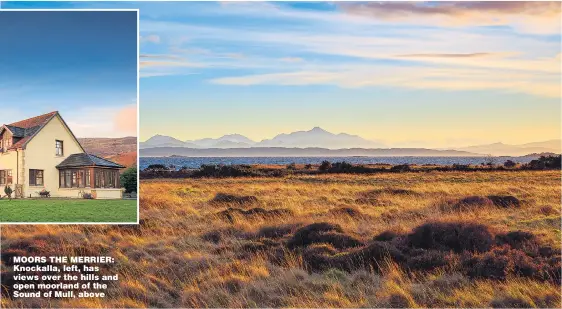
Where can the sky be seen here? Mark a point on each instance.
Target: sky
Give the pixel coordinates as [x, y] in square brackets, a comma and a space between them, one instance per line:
[83, 64]
[434, 74]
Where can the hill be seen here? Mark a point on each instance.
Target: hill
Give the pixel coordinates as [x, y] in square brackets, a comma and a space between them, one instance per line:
[501, 149]
[122, 150]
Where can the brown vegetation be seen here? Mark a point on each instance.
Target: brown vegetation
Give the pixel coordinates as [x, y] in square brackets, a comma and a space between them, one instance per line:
[305, 241]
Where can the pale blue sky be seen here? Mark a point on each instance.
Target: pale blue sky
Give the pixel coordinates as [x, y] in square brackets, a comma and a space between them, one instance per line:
[83, 64]
[401, 74]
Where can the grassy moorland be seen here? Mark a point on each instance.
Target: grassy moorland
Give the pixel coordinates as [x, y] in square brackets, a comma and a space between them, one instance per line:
[67, 210]
[435, 239]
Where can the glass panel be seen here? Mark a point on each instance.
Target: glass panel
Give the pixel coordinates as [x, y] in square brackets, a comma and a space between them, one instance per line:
[74, 183]
[81, 179]
[68, 178]
[39, 177]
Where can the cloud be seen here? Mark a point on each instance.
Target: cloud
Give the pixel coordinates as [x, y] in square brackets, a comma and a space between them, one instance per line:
[292, 59]
[125, 120]
[156, 56]
[166, 65]
[468, 55]
[145, 64]
[533, 17]
[365, 35]
[153, 38]
[448, 79]
[102, 121]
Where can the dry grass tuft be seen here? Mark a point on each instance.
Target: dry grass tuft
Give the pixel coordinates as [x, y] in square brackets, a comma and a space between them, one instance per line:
[333, 240]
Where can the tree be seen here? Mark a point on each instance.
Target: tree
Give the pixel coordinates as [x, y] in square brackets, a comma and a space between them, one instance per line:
[157, 167]
[326, 165]
[490, 160]
[129, 179]
[509, 164]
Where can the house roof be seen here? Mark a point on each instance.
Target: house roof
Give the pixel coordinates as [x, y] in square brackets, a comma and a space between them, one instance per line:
[16, 131]
[34, 121]
[85, 159]
[26, 129]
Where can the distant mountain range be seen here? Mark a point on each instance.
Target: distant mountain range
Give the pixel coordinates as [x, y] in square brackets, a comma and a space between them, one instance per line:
[318, 141]
[501, 149]
[316, 137]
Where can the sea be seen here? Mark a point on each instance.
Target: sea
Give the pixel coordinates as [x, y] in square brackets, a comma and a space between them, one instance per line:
[196, 162]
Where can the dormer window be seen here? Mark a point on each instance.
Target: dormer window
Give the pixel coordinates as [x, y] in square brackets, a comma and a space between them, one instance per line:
[59, 148]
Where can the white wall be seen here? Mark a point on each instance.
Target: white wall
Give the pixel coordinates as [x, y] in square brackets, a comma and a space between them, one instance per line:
[40, 154]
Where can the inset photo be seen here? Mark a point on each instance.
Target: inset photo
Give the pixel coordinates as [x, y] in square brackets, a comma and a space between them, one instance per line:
[68, 120]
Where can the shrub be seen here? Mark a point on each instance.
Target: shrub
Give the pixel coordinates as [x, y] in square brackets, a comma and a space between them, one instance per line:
[8, 191]
[277, 231]
[386, 236]
[456, 236]
[230, 198]
[291, 166]
[545, 162]
[129, 179]
[401, 168]
[308, 166]
[325, 165]
[428, 260]
[515, 239]
[461, 167]
[305, 235]
[505, 201]
[474, 201]
[157, 167]
[225, 171]
[341, 166]
[509, 164]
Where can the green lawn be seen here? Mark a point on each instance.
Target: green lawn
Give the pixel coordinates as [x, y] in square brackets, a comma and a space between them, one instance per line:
[68, 210]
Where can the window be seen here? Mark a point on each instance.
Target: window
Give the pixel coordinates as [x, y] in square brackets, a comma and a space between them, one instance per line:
[82, 178]
[5, 177]
[106, 178]
[67, 178]
[35, 177]
[74, 178]
[80, 175]
[59, 148]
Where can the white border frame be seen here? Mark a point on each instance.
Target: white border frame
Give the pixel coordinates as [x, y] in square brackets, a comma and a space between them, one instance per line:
[138, 114]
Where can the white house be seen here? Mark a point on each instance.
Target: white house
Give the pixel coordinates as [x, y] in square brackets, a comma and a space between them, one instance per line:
[42, 154]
